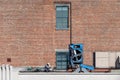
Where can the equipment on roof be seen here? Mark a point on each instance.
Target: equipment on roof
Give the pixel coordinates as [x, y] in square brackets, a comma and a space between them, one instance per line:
[75, 58]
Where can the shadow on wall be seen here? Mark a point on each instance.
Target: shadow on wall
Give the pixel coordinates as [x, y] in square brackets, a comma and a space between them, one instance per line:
[117, 63]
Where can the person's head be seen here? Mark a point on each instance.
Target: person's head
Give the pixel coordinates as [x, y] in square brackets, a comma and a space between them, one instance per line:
[48, 64]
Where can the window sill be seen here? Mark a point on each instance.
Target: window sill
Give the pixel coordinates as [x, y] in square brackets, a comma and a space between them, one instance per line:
[62, 29]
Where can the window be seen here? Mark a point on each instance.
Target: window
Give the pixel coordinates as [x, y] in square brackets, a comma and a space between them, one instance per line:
[61, 60]
[62, 16]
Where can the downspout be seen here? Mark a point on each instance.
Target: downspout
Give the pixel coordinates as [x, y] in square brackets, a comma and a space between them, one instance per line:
[70, 23]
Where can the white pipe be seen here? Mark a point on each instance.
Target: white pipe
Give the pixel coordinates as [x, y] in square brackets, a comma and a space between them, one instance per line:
[0, 73]
[10, 73]
[3, 72]
[7, 72]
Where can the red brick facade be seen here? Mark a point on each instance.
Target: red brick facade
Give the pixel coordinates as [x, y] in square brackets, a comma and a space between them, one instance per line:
[29, 37]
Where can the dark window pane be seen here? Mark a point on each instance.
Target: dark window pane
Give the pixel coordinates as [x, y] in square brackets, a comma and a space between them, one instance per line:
[64, 58]
[58, 8]
[65, 8]
[58, 58]
[59, 14]
[59, 25]
[65, 20]
[65, 25]
[59, 63]
[59, 20]
[64, 13]
[64, 67]
[58, 67]
[64, 63]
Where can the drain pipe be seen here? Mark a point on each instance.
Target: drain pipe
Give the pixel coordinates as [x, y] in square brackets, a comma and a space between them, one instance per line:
[70, 23]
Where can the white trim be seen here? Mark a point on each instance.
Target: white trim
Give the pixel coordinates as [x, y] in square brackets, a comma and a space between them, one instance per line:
[61, 50]
[62, 4]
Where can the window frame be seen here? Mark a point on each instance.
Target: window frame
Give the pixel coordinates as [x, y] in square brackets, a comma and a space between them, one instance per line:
[68, 17]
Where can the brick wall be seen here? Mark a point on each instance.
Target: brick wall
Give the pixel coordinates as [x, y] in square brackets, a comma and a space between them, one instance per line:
[96, 23]
[28, 35]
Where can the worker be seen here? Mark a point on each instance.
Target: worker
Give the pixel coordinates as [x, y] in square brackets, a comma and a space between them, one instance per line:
[47, 67]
